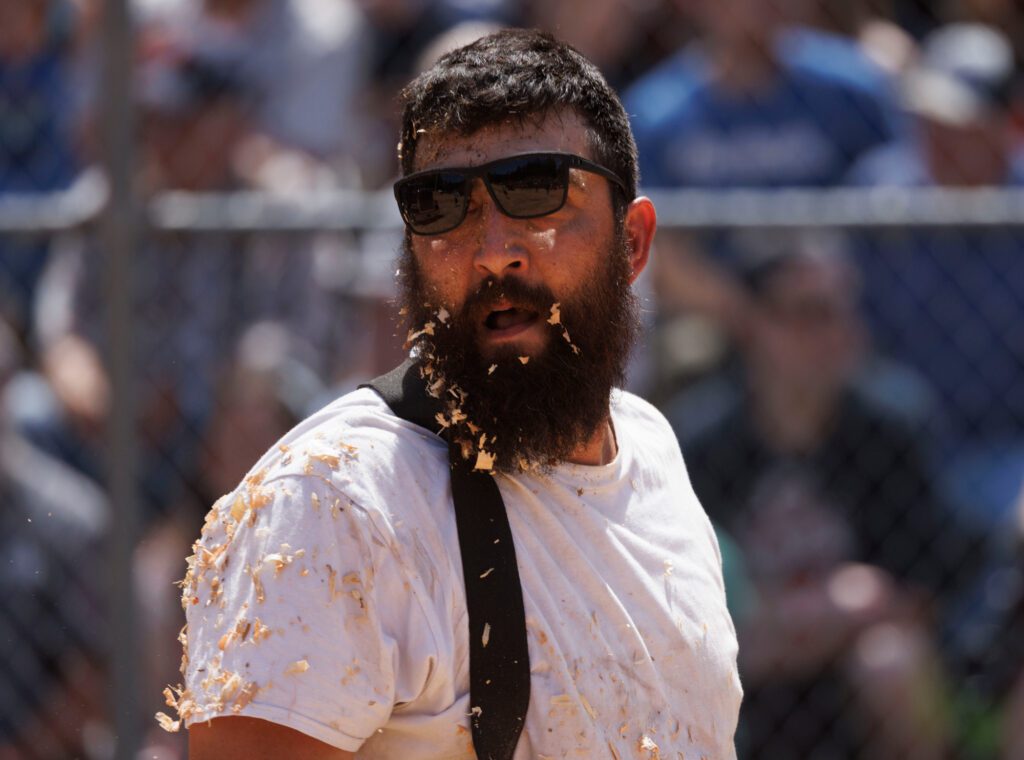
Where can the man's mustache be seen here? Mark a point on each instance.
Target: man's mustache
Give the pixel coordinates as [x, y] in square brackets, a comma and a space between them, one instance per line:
[537, 298]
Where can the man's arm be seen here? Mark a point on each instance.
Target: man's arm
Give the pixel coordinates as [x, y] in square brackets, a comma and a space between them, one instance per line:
[239, 737]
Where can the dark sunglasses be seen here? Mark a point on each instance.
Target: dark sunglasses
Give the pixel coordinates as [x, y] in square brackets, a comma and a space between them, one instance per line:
[524, 186]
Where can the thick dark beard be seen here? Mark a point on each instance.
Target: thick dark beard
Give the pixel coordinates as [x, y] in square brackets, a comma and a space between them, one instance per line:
[530, 415]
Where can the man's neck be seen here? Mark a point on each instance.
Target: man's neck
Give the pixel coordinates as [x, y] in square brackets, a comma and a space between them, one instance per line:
[601, 449]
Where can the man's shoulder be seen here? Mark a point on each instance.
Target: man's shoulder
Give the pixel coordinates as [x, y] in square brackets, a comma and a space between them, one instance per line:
[353, 466]
[352, 443]
[633, 413]
[360, 416]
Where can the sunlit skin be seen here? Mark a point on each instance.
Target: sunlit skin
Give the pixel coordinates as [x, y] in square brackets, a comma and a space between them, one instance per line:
[556, 250]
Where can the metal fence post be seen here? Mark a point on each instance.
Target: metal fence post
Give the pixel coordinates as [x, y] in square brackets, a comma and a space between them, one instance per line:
[118, 239]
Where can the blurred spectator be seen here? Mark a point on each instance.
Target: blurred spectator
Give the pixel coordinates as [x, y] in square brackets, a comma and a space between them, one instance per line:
[919, 17]
[262, 392]
[1005, 15]
[950, 302]
[188, 303]
[303, 64]
[199, 133]
[195, 114]
[960, 93]
[402, 29]
[454, 37]
[987, 651]
[254, 94]
[829, 500]
[842, 18]
[750, 104]
[37, 132]
[618, 36]
[52, 522]
[854, 37]
[401, 36]
[734, 111]
[1001, 654]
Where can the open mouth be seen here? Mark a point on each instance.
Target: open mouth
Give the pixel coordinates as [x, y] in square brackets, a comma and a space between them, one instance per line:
[501, 320]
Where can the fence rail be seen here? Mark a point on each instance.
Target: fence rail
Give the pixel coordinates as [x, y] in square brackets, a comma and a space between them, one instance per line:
[345, 210]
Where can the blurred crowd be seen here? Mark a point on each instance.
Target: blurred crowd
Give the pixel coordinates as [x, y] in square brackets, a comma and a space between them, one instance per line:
[850, 402]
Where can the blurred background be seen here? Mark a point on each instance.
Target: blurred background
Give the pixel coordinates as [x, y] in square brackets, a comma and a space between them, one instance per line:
[196, 250]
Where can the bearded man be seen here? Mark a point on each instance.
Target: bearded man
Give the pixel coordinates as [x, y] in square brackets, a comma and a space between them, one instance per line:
[327, 615]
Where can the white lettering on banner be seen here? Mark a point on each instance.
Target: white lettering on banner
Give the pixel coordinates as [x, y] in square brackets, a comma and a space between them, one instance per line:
[794, 153]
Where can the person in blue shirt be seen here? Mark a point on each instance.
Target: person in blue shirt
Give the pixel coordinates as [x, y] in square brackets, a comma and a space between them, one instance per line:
[746, 107]
[749, 105]
[37, 140]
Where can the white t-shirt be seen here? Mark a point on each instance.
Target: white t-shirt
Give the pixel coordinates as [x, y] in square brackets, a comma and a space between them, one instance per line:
[327, 596]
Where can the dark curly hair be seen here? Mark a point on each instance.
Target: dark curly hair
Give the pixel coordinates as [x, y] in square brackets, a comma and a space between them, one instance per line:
[518, 74]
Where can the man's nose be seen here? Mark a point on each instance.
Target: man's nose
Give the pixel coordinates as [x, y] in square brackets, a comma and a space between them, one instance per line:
[500, 244]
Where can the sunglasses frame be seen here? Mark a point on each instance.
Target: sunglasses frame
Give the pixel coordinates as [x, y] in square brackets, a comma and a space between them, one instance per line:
[472, 172]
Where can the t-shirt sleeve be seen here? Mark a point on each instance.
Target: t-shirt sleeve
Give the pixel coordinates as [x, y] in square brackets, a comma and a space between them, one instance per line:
[299, 613]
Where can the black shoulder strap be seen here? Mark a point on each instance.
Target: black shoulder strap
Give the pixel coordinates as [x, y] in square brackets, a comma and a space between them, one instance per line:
[499, 660]
[406, 393]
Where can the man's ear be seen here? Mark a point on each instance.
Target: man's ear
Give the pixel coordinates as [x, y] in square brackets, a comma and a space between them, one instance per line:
[641, 221]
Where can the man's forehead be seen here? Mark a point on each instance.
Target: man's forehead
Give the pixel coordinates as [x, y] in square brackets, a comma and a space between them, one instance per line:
[562, 131]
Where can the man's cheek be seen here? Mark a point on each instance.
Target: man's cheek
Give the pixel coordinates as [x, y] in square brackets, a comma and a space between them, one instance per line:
[544, 241]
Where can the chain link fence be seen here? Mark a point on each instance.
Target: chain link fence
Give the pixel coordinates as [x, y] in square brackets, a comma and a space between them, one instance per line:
[196, 250]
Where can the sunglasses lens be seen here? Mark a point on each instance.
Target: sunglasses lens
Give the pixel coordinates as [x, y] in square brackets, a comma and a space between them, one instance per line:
[433, 204]
[530, 186]
[523, 187]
